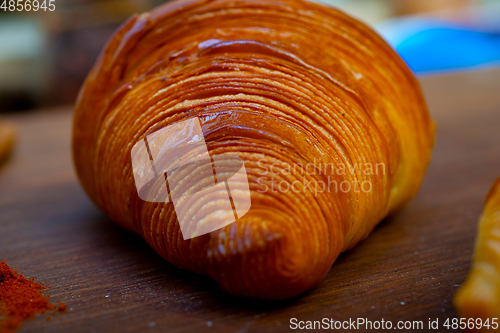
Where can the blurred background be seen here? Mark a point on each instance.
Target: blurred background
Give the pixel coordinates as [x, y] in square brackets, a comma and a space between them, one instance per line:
[46, 55]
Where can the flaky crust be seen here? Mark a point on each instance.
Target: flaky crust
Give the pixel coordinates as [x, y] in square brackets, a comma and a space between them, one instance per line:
[479, 297]
[281, 84]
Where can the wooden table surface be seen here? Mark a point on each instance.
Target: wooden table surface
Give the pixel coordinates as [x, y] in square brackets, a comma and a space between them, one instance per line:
[112, 281]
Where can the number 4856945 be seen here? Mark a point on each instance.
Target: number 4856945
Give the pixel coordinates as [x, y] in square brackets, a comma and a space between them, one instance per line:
[28, 5]
[471, 323]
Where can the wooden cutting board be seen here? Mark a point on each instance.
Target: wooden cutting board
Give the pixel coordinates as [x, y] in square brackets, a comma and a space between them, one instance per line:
[408, 269]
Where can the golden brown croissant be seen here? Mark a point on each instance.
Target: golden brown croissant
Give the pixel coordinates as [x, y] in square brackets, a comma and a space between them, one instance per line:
[479, 297]
[329, 121]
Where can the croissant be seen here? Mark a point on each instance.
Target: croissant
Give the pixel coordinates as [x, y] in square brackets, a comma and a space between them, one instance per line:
[329, 123]
[479, 297]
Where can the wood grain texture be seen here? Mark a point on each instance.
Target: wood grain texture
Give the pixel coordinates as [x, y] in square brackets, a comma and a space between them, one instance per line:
[113, 282]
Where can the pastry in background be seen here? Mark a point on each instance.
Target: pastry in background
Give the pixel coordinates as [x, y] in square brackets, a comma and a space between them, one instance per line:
[7, 138]
[479, 297]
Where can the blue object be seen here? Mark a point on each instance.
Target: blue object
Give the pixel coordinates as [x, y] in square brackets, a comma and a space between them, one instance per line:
[427, 45]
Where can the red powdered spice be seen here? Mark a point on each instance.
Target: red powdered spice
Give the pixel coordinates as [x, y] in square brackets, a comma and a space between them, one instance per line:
[20, 299]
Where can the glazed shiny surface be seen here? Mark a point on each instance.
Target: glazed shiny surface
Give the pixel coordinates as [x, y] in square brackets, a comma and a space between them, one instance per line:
[479, 297]
[282, 85]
